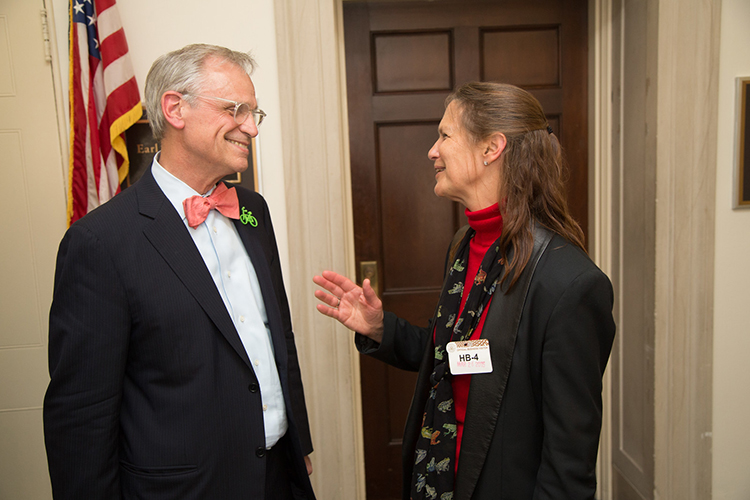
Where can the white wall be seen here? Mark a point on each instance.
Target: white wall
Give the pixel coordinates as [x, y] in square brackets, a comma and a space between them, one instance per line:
[731, 405]
[154, 28]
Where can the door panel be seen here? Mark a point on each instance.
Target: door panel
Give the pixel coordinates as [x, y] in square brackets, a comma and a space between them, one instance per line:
[402, 61]
[503, 50]
[410, 208]
[400, 67]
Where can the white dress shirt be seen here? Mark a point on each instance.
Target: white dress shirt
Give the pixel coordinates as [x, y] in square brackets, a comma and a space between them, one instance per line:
[234, 275]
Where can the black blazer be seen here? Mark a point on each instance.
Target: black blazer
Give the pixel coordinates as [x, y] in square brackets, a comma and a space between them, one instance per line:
[532, 425]
[152, 395]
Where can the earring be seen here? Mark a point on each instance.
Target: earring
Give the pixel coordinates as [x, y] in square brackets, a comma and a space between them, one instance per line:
[485, 164]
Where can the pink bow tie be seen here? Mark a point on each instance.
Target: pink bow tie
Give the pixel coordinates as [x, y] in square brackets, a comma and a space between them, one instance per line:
[222, 199]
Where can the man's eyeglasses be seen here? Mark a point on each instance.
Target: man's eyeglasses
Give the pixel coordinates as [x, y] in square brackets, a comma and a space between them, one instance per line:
[241, 109]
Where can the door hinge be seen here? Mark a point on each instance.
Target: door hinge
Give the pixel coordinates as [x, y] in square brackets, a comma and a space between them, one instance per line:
[45, 37]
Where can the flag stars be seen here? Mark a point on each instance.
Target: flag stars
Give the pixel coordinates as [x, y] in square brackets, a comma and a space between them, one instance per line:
[78, 7]
[92, 19]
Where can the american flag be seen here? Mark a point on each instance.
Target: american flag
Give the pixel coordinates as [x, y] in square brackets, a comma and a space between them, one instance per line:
[104, 102]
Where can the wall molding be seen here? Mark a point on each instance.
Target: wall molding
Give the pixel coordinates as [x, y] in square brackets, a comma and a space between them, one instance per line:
[601, 203]
[315, 135]
[686, 147]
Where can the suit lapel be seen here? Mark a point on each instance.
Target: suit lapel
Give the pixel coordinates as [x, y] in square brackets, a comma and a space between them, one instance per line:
[253, 237]
[167, 233]
[487, 390]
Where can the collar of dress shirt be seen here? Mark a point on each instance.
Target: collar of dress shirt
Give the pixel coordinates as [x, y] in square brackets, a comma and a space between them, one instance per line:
[175, 190]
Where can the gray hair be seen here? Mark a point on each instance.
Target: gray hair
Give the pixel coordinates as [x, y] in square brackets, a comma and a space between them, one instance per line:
[182, 71]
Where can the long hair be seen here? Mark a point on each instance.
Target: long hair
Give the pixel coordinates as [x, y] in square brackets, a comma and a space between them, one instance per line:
[182, 71]
[532, 185]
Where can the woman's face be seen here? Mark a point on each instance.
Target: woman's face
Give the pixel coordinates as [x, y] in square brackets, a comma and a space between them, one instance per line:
[460, 173]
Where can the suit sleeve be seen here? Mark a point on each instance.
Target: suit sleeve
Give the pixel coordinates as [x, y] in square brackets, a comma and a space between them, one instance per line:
[576, 348]
[88, 341]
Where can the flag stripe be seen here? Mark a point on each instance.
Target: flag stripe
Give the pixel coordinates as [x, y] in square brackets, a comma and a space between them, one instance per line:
[114, 48]
[118, 72]
[118, 108]
[108, 20]
[103, 5]
[77, 183]
[104, 102]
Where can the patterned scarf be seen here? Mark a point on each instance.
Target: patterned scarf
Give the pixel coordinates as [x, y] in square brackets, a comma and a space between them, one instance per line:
[432, 476]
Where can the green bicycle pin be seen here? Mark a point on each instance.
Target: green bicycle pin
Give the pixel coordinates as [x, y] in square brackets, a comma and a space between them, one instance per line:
[247, 217]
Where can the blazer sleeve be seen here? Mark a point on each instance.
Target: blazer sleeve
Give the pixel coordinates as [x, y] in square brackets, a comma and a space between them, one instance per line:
[403, 344]
[89, 328]
[576, 348]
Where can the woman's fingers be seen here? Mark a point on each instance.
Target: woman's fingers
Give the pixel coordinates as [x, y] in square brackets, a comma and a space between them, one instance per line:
[327, 298]
[343, 283]
[329, 285]
[335, 284]
[358, 309]
[338, 287]
[328, 311]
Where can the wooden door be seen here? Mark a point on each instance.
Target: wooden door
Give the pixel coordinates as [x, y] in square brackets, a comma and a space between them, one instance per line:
[402, 60]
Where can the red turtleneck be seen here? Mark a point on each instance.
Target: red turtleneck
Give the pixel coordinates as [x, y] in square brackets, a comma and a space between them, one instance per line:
[488, 224]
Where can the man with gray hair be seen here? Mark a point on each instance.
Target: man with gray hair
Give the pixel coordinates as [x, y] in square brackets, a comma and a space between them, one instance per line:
[174, 371]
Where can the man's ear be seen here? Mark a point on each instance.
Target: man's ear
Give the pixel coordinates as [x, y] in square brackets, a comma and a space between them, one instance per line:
[172, 108]
[494, 146]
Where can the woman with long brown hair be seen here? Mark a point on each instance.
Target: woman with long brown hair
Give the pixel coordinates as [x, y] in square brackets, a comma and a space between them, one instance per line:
[508, 400]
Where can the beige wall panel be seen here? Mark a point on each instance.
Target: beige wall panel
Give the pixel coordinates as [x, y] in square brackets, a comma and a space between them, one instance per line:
[7, 86]
[24, 378]
[20, 322]
[33, 204]
[23, 460]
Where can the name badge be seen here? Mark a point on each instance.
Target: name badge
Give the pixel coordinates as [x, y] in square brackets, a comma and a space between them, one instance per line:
[470, 356]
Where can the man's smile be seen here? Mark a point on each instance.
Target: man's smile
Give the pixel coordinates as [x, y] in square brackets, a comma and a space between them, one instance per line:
[239, 144]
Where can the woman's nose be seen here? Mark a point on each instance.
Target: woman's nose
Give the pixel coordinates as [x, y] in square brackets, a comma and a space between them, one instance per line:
[432, 154]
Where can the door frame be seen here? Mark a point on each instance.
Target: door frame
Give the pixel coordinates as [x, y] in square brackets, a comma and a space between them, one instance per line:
[310, 40]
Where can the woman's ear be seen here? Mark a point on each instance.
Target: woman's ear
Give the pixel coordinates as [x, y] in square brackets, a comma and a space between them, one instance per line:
[494, 146]
[171, 107]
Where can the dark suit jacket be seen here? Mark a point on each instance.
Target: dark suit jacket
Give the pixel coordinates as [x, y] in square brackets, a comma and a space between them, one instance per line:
[532, 425]
[152, 395]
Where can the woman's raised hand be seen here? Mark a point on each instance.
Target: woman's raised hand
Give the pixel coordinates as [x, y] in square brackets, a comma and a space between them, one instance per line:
[357, 308]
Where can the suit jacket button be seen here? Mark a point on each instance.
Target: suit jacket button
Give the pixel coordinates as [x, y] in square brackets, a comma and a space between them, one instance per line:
[260, 452]
[253, 387]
